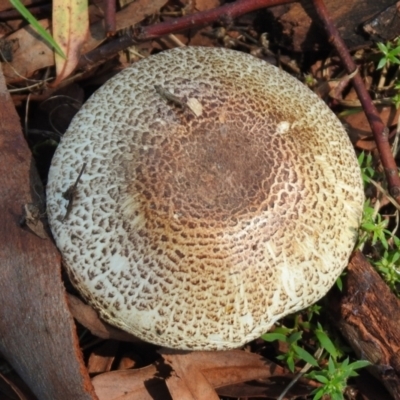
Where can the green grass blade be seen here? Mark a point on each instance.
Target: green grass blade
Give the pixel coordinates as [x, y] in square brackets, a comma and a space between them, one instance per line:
[40, 30]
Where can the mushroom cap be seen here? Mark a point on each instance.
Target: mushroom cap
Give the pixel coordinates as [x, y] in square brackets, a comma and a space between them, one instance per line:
[201, 231]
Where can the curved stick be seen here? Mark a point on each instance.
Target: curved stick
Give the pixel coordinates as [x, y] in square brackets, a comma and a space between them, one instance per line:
[379, 130]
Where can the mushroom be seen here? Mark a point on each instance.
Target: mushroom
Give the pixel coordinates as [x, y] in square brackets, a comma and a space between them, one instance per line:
[216, 194]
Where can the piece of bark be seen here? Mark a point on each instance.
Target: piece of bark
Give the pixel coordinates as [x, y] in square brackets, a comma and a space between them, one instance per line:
[384, 26]
[368, 315]
[299, 28]
[37, 332]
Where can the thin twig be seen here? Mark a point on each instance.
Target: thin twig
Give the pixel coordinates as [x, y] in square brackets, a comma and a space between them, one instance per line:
[71, 193]
[27, 114]
[174, 39]
[38, 85]
[39, 12]
[109, 17]
[305, 369]
[385, 193]
[13, 387]
[224, 14]
[379, 130]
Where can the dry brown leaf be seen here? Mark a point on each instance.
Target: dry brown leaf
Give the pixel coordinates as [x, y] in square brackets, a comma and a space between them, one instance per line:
[202, 5]
[102, 358]
[366, 144]
[70, 30]
[188, 375]
[270, 389]
[88, 317]
[360, 131]
[130, 15]
[31, 53]
[227, 367]
[32, 219]
[133, 384]
[187, 380]
[37, 333]
[4, 5]
[129, 360]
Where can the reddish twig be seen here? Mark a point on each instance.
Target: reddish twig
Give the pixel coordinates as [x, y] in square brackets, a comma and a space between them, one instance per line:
[42, 11]
[379, 130]
[109, 17]
[225, 13]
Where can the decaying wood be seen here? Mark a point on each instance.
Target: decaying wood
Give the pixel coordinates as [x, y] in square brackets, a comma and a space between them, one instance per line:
[297, 27]
[37, 333]
[368, 315]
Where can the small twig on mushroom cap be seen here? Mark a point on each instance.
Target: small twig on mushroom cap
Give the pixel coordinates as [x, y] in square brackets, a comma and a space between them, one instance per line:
[167, 95]
[190, 104]
[70, 193]
[379, 130]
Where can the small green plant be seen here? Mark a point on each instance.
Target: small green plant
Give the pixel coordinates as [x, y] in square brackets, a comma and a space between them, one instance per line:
[391, 56]
[373, 227]
[309, 80]
[326, 342]
[385, 246]
[389, 265]
[334, 377]
[390, 52]
[332, 374]
[367, 170]
[294, 353]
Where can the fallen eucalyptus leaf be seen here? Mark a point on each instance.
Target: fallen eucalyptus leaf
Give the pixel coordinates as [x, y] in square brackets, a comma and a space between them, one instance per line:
[37, 332]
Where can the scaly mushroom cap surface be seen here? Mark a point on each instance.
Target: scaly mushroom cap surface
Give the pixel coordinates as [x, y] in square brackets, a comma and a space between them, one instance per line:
[201, 231]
